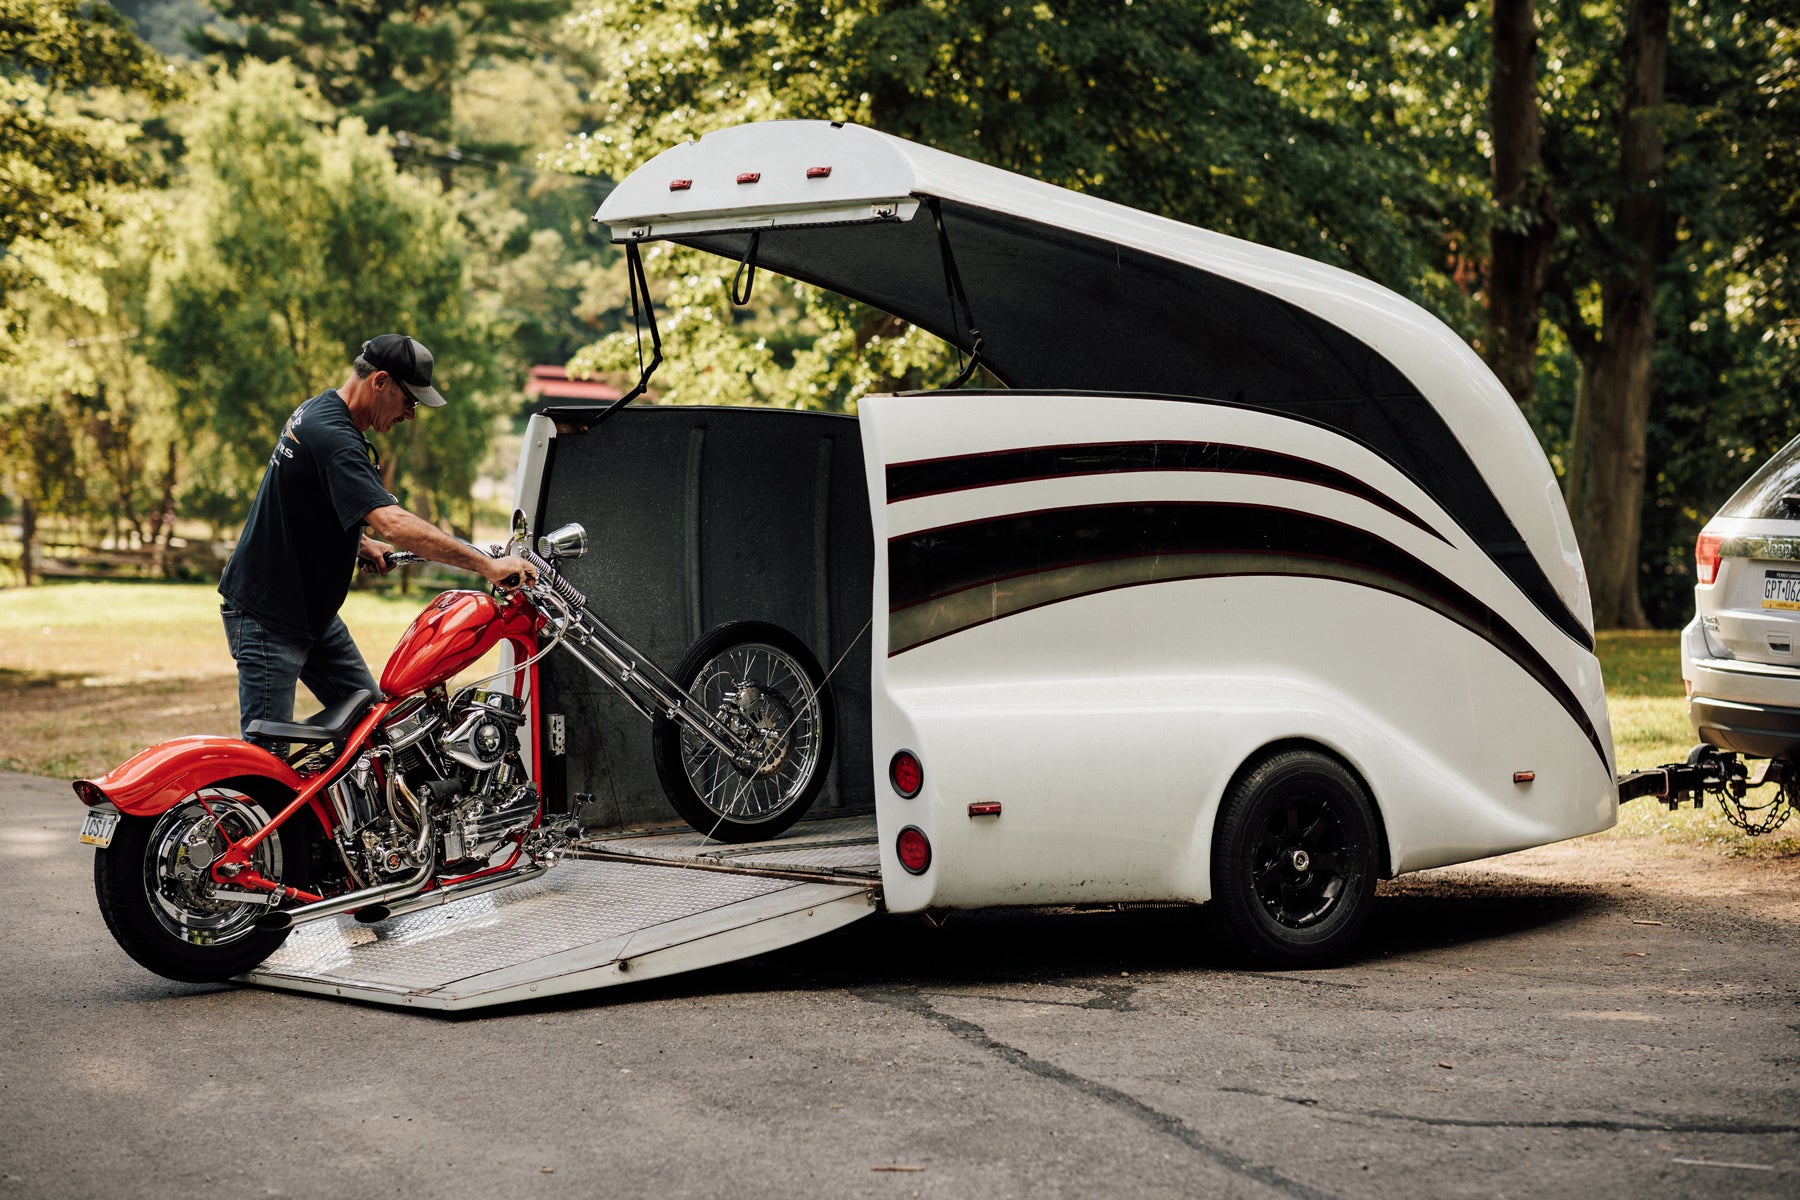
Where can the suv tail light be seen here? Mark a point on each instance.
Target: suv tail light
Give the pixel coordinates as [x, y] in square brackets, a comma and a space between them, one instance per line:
[1706, 556]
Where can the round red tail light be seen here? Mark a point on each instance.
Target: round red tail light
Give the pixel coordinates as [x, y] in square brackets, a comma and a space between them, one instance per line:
[905, 773]
[913, 849]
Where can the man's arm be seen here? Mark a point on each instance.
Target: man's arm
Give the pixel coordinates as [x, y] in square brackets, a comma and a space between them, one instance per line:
[409, 532]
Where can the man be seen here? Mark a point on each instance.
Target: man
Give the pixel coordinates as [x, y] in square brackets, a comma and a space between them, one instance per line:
[291, 570]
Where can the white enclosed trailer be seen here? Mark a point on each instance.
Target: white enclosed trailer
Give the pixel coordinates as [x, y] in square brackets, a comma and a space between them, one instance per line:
[1250, 584]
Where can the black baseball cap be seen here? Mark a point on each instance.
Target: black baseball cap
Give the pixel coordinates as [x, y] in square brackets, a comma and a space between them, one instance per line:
[408, 361]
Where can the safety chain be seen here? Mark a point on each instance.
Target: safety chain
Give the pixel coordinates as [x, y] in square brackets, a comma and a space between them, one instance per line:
[1757, 819]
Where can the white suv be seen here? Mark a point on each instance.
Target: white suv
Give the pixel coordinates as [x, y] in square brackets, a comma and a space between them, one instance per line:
[1740, 656]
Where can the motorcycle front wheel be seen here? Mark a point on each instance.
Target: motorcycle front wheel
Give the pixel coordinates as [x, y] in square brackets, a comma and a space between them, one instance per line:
[761, 682]
[157, 893]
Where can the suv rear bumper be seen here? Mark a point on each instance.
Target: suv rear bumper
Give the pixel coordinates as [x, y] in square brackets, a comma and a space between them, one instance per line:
[1753, 730]
[1752, 708]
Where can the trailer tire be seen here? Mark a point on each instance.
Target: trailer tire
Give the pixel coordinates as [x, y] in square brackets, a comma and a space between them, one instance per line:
[792, 713]
[1295, 858]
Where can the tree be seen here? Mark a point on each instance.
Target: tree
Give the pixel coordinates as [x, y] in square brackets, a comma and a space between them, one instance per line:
[1525, 222]
[1667, 291]
[64, 66]
[1605, 485]
[393, 63]
[300, 243]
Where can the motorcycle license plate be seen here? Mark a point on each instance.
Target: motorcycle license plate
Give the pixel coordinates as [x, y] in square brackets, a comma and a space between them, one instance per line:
[1781, 589]
[97, 828]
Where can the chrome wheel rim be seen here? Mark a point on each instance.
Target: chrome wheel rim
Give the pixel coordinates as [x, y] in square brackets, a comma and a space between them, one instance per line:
[183, 844]
[761, 694]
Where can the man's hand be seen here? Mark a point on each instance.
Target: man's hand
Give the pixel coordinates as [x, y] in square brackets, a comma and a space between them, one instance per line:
[418, 535]
[501, 570]
[372, 556]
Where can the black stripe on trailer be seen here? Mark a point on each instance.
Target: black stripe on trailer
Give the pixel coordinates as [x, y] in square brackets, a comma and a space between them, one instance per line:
[955, 577]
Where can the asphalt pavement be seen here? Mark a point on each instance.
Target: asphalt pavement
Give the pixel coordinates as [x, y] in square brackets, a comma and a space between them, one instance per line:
[1502, 1035]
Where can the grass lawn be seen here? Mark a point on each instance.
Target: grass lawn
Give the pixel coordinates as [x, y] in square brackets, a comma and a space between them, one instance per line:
[91, 673]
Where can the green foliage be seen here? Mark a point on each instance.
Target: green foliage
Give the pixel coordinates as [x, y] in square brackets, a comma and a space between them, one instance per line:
[296, 244]
[1728, 301]
[393, 63]
[68, 68]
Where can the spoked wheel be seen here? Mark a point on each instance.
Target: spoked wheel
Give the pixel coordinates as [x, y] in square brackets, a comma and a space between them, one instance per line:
[761, 683]
[1295, 860]
[155, 886]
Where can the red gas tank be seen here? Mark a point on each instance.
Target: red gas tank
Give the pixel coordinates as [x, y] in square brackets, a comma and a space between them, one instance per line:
[454, 630]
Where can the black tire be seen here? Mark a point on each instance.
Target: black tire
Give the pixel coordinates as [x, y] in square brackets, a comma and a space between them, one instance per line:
[791, 712]
[1295, 858]
[154, 901]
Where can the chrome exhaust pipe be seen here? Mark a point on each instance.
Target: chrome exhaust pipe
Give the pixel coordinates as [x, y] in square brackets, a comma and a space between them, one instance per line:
[372, 913]
[290, 917]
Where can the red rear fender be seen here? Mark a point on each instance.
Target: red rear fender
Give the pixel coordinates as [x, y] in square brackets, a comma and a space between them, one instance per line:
[153, 780]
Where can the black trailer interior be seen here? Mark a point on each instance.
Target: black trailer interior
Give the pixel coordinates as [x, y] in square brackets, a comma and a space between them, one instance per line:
[696, 517]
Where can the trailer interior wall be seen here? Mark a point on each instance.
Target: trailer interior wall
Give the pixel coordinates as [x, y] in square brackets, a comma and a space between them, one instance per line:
[696, 517]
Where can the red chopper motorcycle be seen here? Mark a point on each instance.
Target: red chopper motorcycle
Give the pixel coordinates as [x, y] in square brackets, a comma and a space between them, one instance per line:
[211, 849]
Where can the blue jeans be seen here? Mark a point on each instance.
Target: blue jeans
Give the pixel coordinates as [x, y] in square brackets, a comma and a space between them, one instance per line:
[270, 661]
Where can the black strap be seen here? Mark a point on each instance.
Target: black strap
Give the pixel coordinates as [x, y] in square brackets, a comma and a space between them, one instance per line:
[748, 261]
[959, 303]
[640, 286]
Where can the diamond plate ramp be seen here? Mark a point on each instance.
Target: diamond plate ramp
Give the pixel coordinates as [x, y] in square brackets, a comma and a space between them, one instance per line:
[582, 925]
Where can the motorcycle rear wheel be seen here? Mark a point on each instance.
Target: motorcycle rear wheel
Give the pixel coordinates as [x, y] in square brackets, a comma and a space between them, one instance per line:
[763, 682]
[155, 897]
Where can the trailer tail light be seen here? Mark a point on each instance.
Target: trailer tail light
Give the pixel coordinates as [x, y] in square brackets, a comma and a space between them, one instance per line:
[680, 185]
[905, 773]
[914, 850]
[1706, 556]
[818, 172]
[750, 177]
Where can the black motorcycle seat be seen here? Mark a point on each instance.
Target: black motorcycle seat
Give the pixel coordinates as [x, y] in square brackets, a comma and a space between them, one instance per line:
[331, 725]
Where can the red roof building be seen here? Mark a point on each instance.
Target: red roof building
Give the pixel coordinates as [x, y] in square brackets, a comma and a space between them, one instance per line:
[553, 383]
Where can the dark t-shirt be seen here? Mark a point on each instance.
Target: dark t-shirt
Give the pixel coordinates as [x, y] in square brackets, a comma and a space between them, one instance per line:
[294, 560]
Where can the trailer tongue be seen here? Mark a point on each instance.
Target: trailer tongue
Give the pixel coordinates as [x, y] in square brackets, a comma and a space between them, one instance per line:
[643, 907]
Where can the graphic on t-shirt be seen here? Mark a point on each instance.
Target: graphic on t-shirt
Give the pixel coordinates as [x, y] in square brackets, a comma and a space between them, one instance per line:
[287, 434]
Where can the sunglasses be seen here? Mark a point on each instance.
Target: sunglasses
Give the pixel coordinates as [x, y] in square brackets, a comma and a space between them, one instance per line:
[411, 400]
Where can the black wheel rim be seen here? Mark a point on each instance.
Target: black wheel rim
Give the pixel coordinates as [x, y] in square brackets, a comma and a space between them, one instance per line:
[1304, 861]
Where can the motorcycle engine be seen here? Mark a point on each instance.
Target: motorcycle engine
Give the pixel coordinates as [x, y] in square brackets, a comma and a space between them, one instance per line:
[459, 762]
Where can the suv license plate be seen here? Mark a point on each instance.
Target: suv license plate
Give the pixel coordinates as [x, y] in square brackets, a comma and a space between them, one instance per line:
[1781, 589]
[97, 828]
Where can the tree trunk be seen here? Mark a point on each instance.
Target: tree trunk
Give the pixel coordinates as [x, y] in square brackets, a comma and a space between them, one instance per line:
[27, 536]
[164, 529]
[1525, 227]
[1606, 489]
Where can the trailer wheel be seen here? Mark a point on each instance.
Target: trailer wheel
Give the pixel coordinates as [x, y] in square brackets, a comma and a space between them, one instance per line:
[1294, 860]
[762, 682]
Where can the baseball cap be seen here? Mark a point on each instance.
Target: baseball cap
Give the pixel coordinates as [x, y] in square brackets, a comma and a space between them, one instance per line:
[408, 361]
